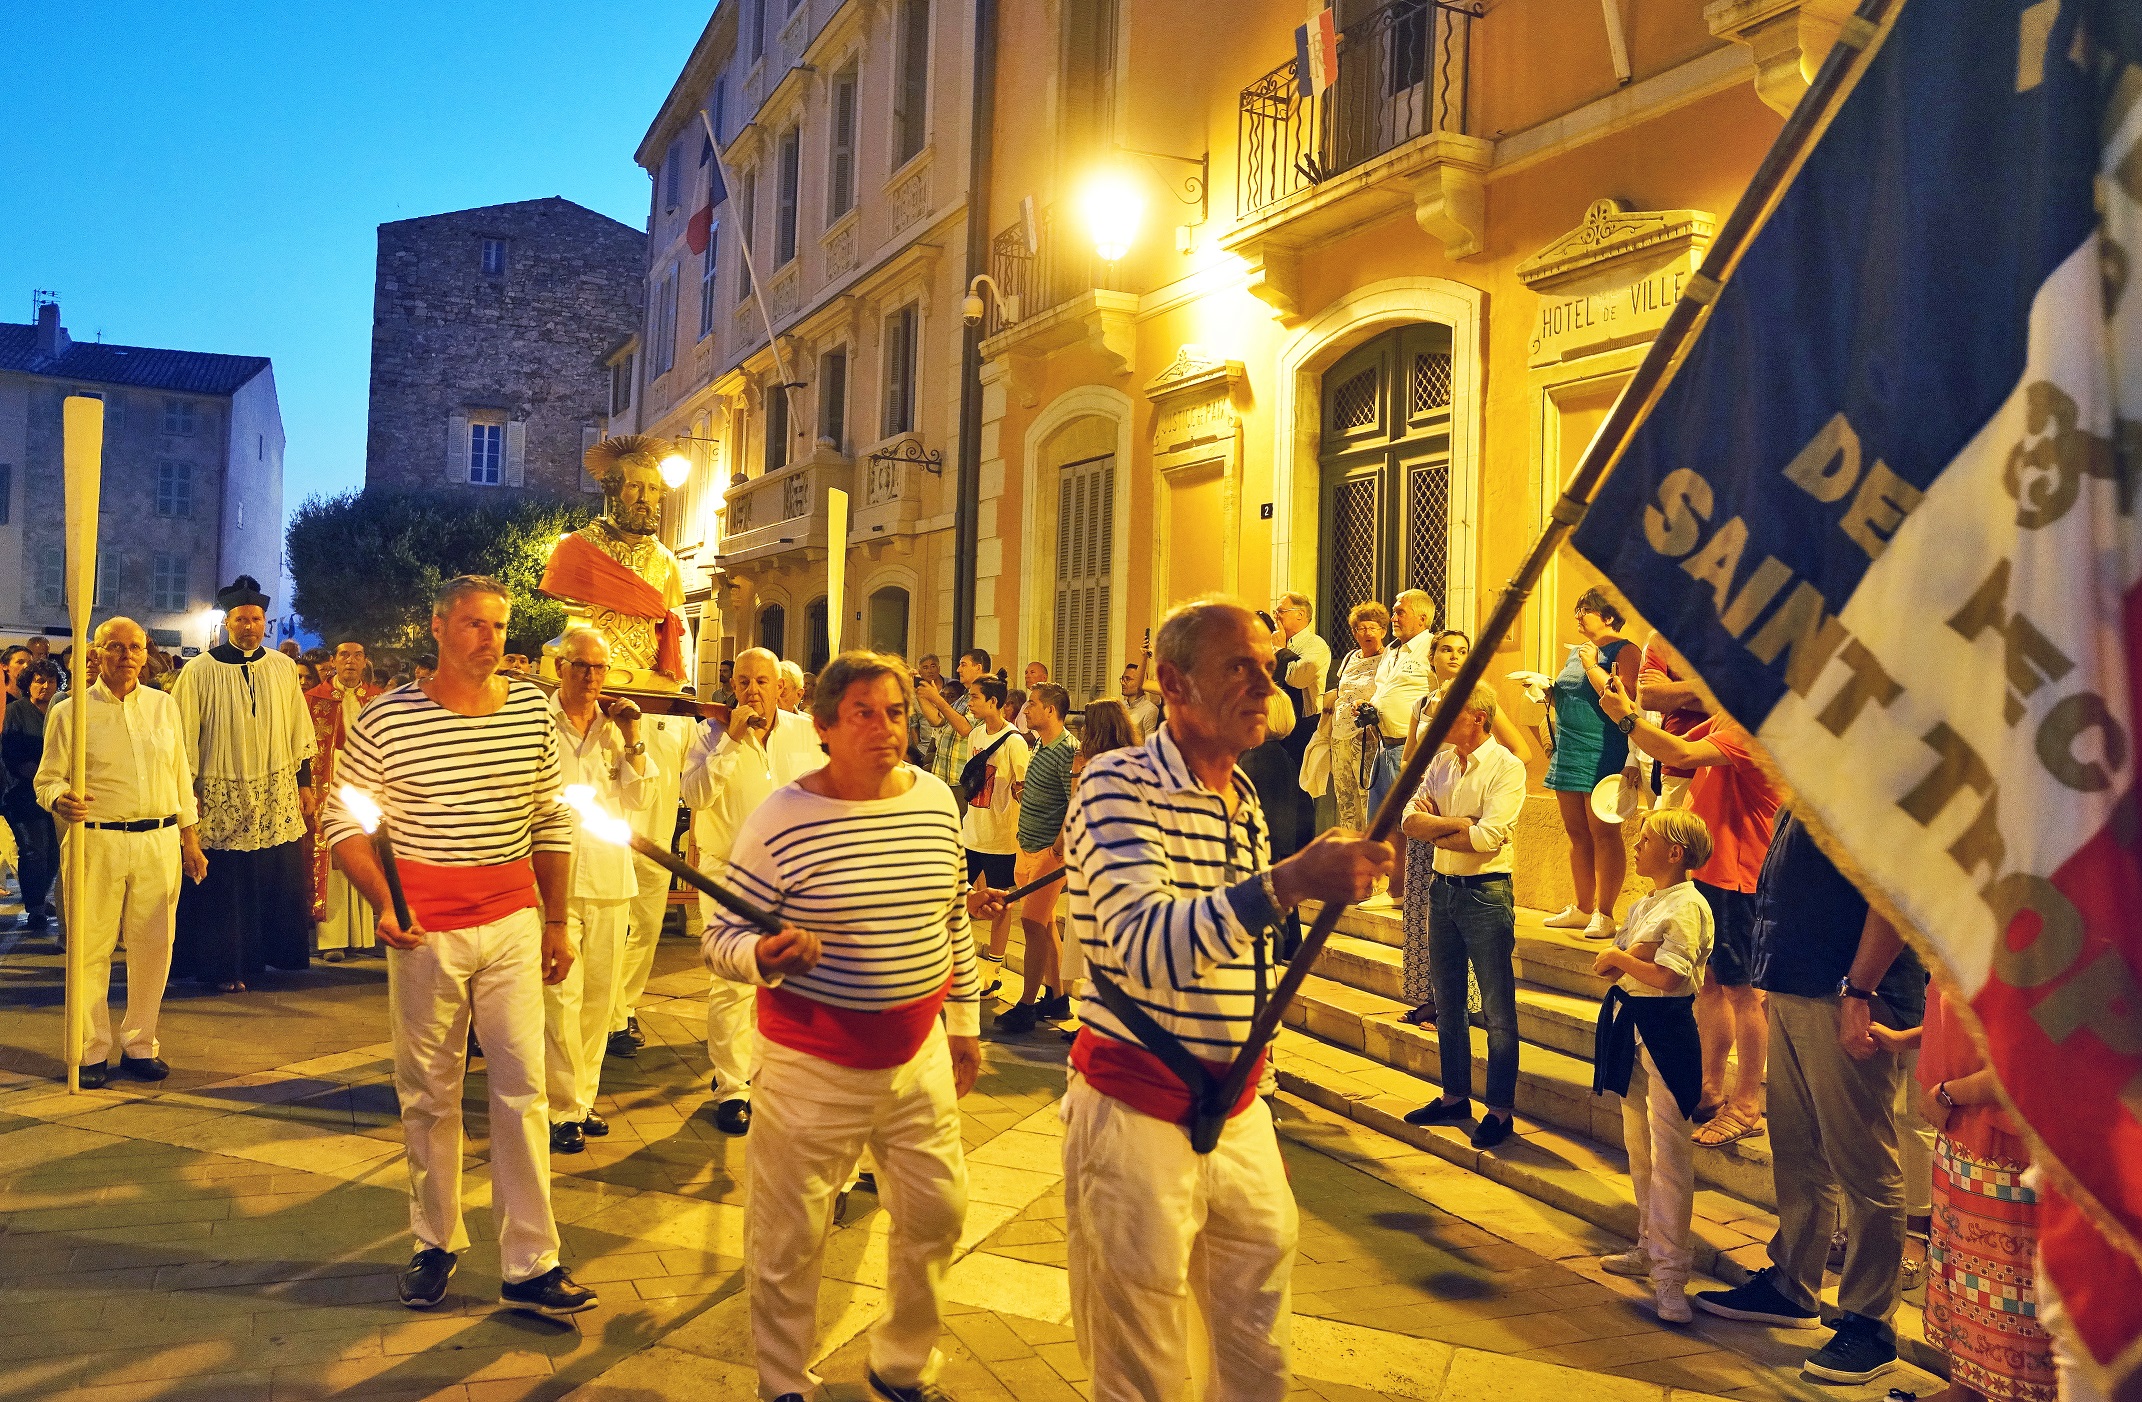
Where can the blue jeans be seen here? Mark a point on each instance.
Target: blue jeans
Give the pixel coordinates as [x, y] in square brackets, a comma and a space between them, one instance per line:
[1475, 924]
[1388, 763]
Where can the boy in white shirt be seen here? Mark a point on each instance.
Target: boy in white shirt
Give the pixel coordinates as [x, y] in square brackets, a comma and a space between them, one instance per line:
[990, 829]
[1648, 1049]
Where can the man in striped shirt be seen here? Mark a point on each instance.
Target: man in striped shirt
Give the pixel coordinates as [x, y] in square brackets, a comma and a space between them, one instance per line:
[869, 1027]
[1172, 900]
[465, 767]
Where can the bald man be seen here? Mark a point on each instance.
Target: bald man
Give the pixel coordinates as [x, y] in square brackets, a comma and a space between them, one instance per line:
[727, 775]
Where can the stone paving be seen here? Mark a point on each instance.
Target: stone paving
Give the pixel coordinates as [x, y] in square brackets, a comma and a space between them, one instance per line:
[234, 1233]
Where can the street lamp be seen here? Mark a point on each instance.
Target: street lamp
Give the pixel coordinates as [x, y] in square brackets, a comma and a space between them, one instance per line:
[1112, 207]
[676, 468]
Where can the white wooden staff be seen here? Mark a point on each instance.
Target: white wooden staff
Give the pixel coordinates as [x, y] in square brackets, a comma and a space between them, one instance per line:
[836, 567]
[82, 421]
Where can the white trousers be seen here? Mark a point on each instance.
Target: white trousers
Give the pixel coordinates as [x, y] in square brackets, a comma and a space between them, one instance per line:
[576, 1009]
[810, 1123]
[351, 922]
[643, 927]
[129, 896]
[1154, 1226]
[1662, 1169]
[732, 1030]
[495, 973]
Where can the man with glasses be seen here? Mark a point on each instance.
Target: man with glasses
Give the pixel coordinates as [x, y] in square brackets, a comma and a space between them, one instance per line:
[137, 824]
[598, 745]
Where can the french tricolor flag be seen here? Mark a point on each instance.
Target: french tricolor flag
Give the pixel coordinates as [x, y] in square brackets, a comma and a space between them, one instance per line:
[1887, 507]
[1316, 52]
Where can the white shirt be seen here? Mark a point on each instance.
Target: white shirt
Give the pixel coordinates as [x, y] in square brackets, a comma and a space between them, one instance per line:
[247, 728]
[725, 779]
[992, 821]
[667, 738]
[1403, 676]
[1311, 671]
[602, 871]
[1679, 921]
[1487, 786]
[1144, 715]
[138, 767]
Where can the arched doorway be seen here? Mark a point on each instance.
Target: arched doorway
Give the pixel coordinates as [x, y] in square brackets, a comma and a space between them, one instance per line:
[819, 650]
[1384, 455]
[773, 629]
[888, 620]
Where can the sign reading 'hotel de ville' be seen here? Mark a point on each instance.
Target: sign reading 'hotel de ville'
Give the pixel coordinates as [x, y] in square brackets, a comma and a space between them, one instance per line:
[1611, 280]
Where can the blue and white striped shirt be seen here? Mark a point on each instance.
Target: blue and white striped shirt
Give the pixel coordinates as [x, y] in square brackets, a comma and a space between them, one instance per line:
[1166, 899]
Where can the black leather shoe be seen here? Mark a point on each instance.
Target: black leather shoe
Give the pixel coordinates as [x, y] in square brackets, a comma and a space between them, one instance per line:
[93, 1075]
[552, 1293]
[1017, 1021]
[1492, 1130]
[566, 1138]
[424, 1282]
[733, 1117]
[632, 1030]
[475, 1047]
[1057, 1009]
[916, 1392]
[144, 1068]
[621, 1044]
[594, 1126]
[1437, 1112]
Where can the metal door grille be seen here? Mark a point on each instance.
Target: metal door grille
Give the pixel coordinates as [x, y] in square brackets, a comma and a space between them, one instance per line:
[1085, 547]
[1431, 382]
[1353, 404]
[1355, 527]
[1428, 532]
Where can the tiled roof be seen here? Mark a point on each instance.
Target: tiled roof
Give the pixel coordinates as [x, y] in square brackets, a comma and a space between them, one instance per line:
[189, 372]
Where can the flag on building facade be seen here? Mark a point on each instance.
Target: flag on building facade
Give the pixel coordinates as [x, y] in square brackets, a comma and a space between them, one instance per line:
[1029, 226]
[1887, 508]
[1316, 52]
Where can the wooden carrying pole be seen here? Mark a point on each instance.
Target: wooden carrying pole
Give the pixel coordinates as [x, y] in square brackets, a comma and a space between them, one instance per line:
[836, 568]
[82, 424]
[1846, 60]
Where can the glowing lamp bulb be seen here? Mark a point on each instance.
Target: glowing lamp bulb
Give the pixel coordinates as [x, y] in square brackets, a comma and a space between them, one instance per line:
[675, 469]
[1112, 207]
[594, 819]
[361, 807]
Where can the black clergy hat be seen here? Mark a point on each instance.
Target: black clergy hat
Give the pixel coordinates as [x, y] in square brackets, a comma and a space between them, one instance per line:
[242, 591]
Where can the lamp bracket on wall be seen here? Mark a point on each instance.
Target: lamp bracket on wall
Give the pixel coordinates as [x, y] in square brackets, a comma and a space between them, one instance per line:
[909, 450]
[1196, 189]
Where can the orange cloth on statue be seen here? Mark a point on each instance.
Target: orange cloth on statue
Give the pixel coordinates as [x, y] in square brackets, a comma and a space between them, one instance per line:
[579, 571]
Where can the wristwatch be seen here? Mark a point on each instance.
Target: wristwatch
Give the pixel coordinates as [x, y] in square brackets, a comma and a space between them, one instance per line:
[1941, 1093]
[635, 749]
[1627, 724]
[1846, 990]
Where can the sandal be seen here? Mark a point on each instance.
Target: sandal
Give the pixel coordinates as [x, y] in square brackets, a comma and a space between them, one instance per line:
[1729, 1126]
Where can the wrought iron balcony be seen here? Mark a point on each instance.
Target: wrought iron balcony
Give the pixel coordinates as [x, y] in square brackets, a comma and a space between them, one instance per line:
[1402, 74]
[1058, 268]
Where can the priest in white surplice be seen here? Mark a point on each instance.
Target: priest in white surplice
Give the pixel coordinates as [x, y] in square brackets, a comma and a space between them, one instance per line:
[250, 739]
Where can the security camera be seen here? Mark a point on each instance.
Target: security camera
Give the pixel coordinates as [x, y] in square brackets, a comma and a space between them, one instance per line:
[971, 308]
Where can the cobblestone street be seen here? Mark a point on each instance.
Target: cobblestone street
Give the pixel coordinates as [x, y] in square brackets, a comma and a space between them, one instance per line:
[235, 1233]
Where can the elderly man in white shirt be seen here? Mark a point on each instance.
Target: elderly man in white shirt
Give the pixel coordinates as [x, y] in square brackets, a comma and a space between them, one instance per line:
[666, 738]
[137, 824]
[727, 775]
[1467, 807]
[599, 746]
[1311, 671]
[1405, 674]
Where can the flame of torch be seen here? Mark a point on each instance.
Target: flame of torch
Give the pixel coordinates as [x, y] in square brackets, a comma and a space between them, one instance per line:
[605, 826]
[360, 805]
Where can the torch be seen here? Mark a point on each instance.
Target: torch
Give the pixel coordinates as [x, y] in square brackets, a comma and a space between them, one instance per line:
[608, 827]
[82, 453]
[366, 812]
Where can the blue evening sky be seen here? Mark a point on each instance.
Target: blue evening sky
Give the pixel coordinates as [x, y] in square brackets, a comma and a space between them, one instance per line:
[209, 176]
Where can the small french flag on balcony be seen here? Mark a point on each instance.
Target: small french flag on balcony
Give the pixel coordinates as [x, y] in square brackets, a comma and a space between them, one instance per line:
[1316, 52]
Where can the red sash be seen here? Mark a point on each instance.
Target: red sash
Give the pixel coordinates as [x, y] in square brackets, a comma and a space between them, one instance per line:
[580, 571]
[457, 898]
[862, 1041]
[1143, 1081]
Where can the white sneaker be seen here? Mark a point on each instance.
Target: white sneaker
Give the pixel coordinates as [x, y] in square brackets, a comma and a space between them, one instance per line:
[1672, 1303]
[1601, 928]
[1570, 918]
[1635, 1265]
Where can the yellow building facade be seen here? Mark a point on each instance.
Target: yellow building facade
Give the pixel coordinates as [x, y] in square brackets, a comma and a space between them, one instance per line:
[1350, 341]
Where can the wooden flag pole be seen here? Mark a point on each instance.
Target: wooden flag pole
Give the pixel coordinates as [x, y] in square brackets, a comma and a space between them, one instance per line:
[82, 424]
[1847, 59]
[836, 568]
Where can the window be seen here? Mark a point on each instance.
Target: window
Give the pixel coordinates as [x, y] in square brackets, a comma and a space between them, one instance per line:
[494, 257]
[109, 569]
[776, 429]
[911, 91]
[788, 172]
[1090, 72]
[52, 577]
[773, 629]
[840, 161]
[900, 330]
[673, 175]
[747, 213]
[621, 386]
[718, 107]
[174, 490]
[755, 22]
[487, 452]
[7, 493]
[662, 326]
[833, 398]
[1085, 550]
[178, 417]
[167, 592]
[706, 282]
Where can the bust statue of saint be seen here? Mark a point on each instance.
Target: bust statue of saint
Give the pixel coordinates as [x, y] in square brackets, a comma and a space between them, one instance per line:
[616, 577]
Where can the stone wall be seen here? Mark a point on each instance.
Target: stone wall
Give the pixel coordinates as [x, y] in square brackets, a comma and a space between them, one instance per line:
[453, 344]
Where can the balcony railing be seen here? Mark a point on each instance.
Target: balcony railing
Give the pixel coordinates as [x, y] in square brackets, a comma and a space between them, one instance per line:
[1060, 266]
[1402, 74]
